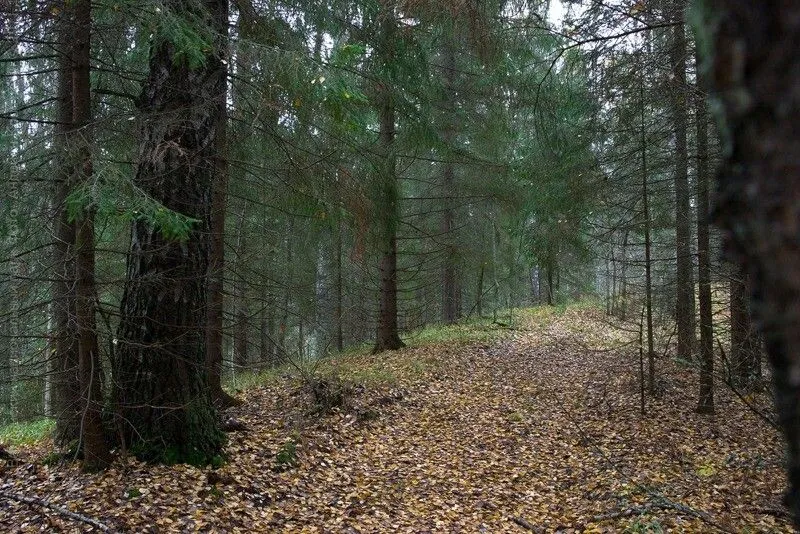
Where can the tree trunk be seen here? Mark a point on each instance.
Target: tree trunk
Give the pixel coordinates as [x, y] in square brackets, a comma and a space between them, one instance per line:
[449, 274]
[287, 288]
[755, 73]
[479, 303]
[745, 358]
[95, 449]
[648, 278]
[612, 305]
[339, 289]
[706, 395]
[241, 342]
[387, 336]
[684, 308]
[66, 386]
[161, 378]
[623, 282]
[219, 195]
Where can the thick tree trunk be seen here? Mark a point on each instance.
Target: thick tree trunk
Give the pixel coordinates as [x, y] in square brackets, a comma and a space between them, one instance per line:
[684, 308]
[705, 402]
[755, 73]
[387, 336]
[161, 378]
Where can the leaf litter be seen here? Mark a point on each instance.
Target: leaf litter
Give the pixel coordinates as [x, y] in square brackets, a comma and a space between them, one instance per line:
[538, 430]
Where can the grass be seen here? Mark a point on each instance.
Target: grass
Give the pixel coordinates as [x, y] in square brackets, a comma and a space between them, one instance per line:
[26, 433]
[242, 381]
[465, 332]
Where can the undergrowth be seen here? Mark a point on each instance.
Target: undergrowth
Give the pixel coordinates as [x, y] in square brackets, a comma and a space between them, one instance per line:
[26, 433]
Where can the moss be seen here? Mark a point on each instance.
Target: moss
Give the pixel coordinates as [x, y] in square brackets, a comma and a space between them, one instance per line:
[192, 436]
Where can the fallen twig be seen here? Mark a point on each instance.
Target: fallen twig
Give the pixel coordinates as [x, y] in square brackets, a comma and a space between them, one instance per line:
[774, 512]
[523, 523]
[35, 501]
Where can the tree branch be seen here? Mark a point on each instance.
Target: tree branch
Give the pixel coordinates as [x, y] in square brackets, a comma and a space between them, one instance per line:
[35, 501]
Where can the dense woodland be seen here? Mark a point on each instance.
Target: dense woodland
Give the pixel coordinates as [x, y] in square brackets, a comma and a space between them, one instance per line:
[196, 193]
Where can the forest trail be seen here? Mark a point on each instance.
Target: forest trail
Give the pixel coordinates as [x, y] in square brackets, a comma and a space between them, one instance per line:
[536, 431]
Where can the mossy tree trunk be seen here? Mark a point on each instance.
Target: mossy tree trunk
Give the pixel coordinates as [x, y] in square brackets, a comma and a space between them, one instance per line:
[162, 390]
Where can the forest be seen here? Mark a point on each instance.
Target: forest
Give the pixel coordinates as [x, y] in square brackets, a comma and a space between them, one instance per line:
[399, 266]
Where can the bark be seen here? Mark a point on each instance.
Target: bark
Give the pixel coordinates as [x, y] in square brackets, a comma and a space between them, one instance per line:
[648, 278]
[745, 357]
[705, 402]
[622, 310]
[387, 336]
[449, 273]
[479, 303]
[684, 308]
[216, 268]
[755, 74]
[339, 289]
[161, 379]
[612, 304]
[287, 287]
[241, 341]
[550, 289]
[66, 386]
[95, 449]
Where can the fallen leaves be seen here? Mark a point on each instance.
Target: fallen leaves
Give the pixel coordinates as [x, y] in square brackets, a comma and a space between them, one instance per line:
[539, 431]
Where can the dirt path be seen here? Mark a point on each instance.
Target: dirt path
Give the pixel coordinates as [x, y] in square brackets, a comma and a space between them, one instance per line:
[531, 433]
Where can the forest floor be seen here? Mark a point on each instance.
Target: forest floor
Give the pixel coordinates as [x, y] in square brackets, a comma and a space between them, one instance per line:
[535, 428]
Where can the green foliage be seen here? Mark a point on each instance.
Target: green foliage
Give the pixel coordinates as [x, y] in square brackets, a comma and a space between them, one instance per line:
[287, 455]
[644, 525]
[113, 196]
[188, 34]
[26, 433]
